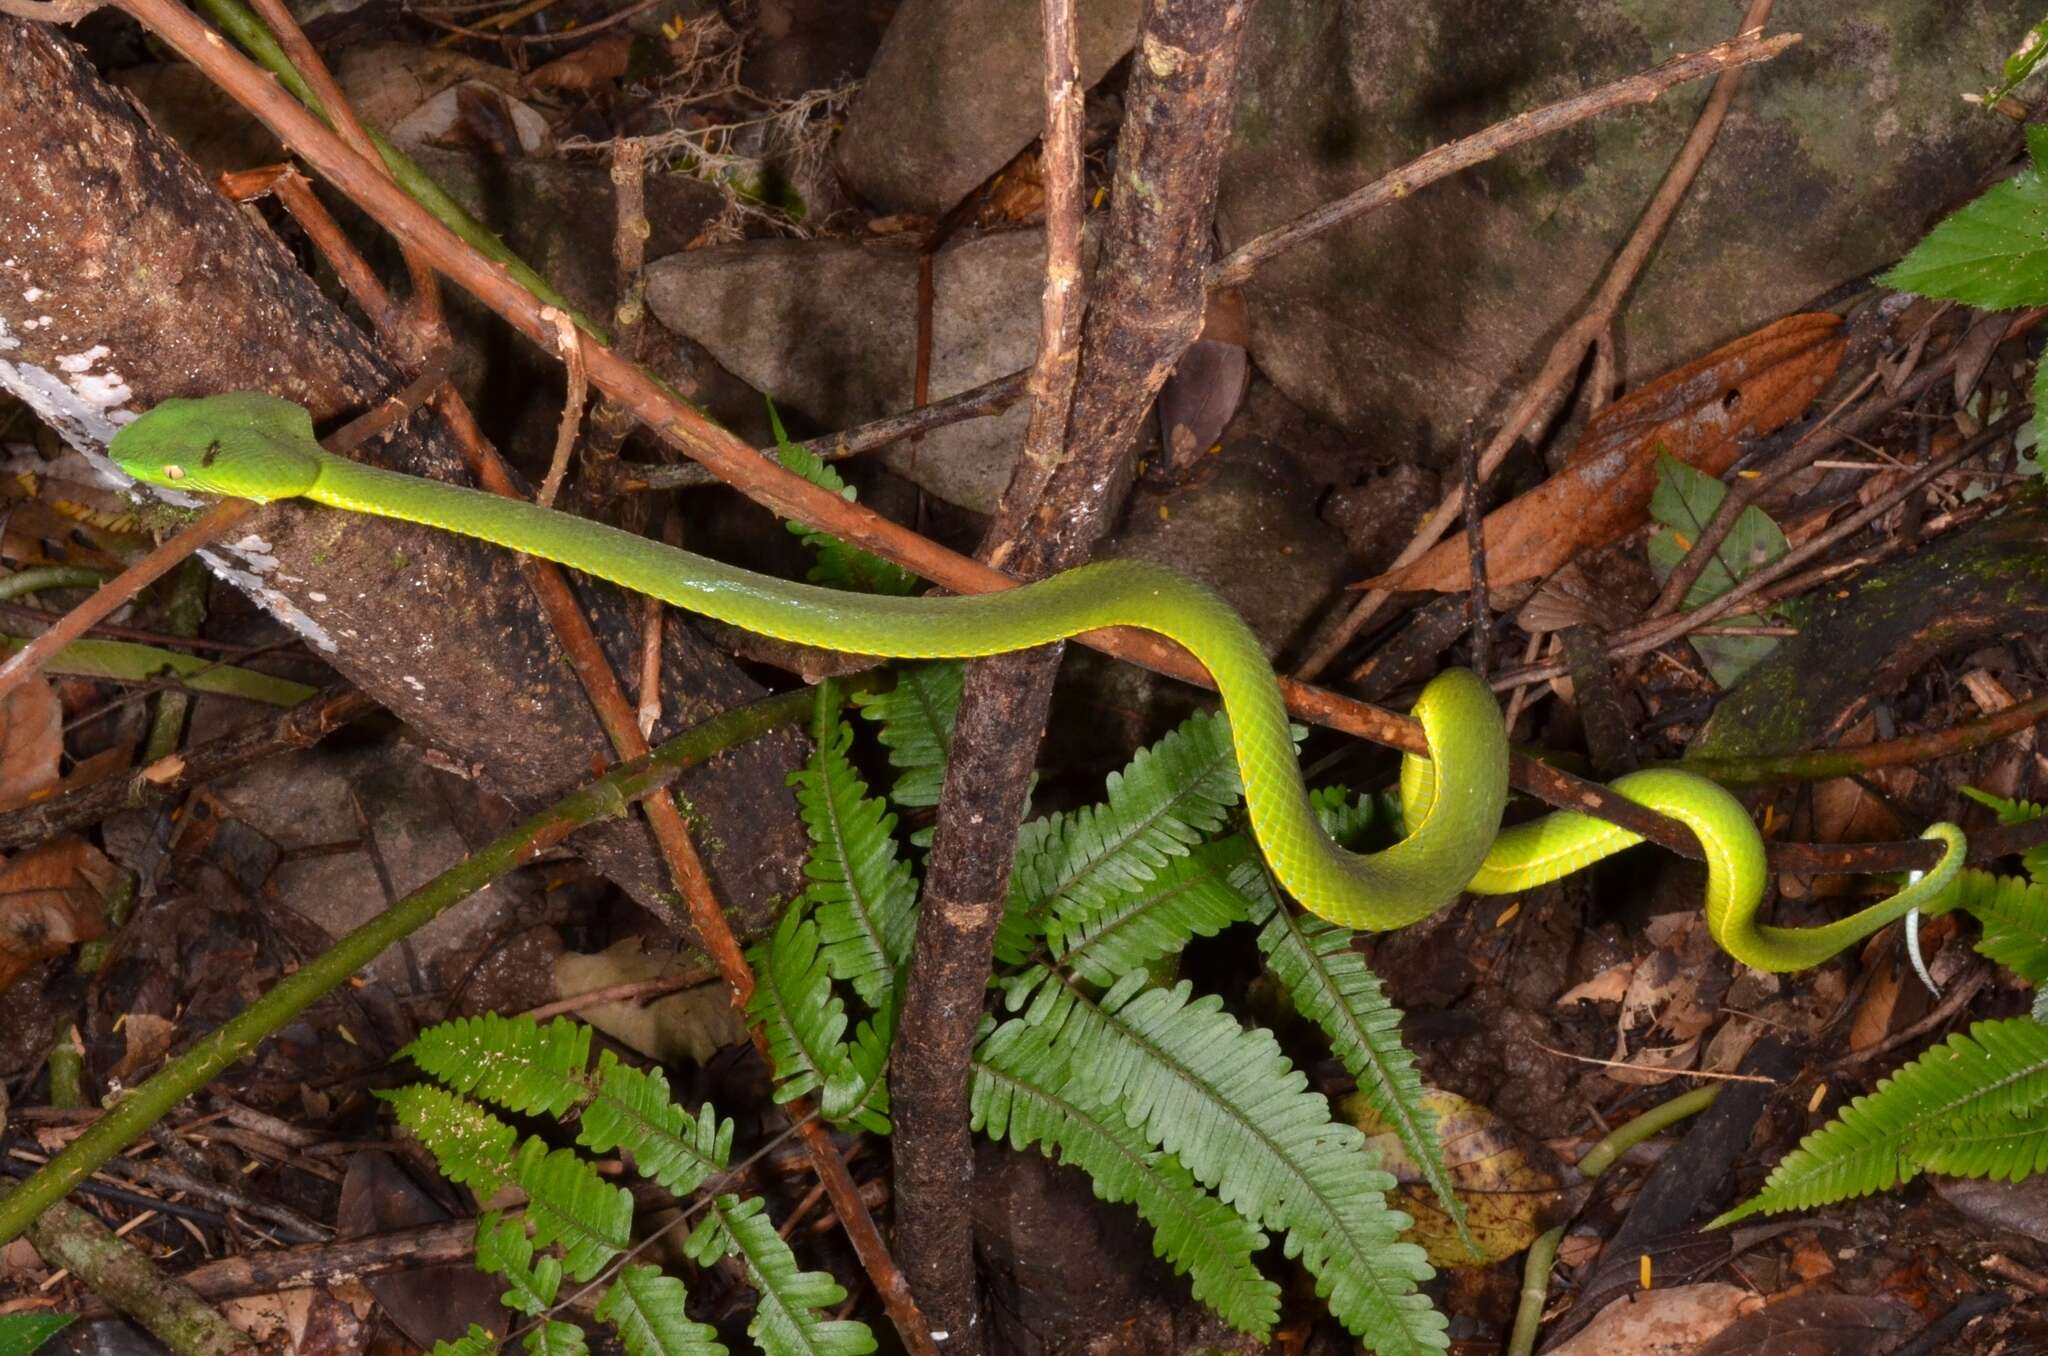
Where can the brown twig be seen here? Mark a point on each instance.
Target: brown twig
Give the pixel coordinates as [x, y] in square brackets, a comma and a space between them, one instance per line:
[1821, 764]
[1565, 356]
[1475, 547]
[524, 39]
[568, 344]
[50, 11]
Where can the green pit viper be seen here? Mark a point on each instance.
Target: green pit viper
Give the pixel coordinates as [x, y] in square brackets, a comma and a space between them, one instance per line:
[253, 446]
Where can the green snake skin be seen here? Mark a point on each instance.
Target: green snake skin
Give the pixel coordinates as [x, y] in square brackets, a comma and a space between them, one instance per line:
[253, 446]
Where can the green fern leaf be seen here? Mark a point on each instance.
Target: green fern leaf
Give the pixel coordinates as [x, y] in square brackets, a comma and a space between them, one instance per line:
[868, 1053]
[2009, 1148]
[476, 1342]
[805, 1022]
[503, 1249]
[1997, 1072]
[634, 1111]
[786, 1320]
[861, 893]
[1223, 1100]
[1017, 1093]
[2014, 914]
[469, 1144]
[512, 1061]
[838, 564]
[1166, 800]
[1191, 896]
[916, 720]
[2011, 812]
[1332, 986]
[555, 1338]
[646, 1308]
[569, 1204]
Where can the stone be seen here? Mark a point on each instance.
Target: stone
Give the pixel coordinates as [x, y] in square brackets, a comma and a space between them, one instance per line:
[1428, 313]
[955, 93]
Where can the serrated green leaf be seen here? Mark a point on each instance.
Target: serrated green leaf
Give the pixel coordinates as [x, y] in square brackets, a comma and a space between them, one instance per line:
[514, 1062]
[476, 1342]
[916, 726]
[553, 1337]
[2011, 812]
[1188, 897]
[1017, 1094]
[646, 1309]
[504, 1249]
[861, 894]
[1991, 253]
[839, 565]
[787, 1321]
[1685, 502]
[804, 1021]
[633, 1110]
[1996, 1074]
[469, 1144]
[21, 1334]
[570, 1205]
[2014, 915]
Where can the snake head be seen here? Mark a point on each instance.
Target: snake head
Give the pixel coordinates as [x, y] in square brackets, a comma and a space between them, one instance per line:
[244, 445]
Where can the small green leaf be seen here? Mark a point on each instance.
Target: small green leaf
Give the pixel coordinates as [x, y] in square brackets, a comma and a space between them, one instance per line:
[646, 1308]
[476, 1342]
[839, 565]
[21, 1334]
[1991, 253]
[1685, 502]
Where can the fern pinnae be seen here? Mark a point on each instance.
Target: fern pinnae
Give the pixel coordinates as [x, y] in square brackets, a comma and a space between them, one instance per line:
[803, 1020]
[1332, 986]
[568, 1204]
[470, 1145]
[1015, 1095]
[915, 724]
[2008, 1148]
[1168, 798]
[862, 895]
[787, 1319]
[634, 1111]
[514, 1062]
[503, 1249]
[646, 1309]
[2014, 914]
[1191, 896]
[1226, 1102]
[475, 1342]
[1999, 1069]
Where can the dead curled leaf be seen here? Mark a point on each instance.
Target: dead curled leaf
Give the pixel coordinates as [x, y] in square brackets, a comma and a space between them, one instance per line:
[1673, 1322]
[1698, 413]
[51, 899]
[31, 742]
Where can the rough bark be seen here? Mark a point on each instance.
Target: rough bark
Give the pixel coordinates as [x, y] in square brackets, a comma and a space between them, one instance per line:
[1148, 309]
[127, 280]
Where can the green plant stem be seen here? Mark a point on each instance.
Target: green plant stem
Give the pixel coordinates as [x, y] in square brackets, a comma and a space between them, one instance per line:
[124, 661]
[134, 1113]
[241, 23]
[42, 577]
[118, 1273]
[1598, 1159]
[187, 613]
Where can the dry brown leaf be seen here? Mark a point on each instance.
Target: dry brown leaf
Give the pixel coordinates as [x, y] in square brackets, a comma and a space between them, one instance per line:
[1672, 1322]
[1510, 1185]
[1609, 986]
[1698, 413]
[51, 898]
[31, 742]
[586, 67]
[146, 1038]
[1873, 1019]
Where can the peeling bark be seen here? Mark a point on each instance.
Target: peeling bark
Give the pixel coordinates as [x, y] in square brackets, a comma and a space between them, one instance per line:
[125, 279]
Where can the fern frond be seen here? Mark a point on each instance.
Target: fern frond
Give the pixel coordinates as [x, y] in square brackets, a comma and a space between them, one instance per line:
[1016, 1093]
[2010, 812]
[469, 1144]
[1169, 797]
[475, 1342]
[555, 1338]
[504, 1250]
[633, 1110]
[567, 1203]
[646, 1309]
[861, 894]
[1223, 1100]
[2008, 1148]
[805, 1022]
[1332, 986]
[1191, 896]
[2014, 914]
[786, 1320]
[514, 1062]
[838, 564]
[916, 720]
[1998, 1072]
[868, 1054]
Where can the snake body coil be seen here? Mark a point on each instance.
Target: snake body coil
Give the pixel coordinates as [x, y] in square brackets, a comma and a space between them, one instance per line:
[254, 446]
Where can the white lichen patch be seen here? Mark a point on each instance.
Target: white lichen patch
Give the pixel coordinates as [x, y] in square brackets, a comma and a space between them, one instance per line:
[274, 601]
[32, 295]
[413, 683]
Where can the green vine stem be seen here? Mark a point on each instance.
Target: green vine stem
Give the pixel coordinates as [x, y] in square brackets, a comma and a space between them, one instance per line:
[240, 22]
[131, 1116]
[41, 577]
[1598, 1159]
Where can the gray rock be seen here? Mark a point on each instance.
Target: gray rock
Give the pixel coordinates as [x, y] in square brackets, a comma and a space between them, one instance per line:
[954, 94]
[1418, 318]
[829, 328]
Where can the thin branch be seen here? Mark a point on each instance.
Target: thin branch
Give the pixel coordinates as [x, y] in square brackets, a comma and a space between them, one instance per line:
[1541, 395]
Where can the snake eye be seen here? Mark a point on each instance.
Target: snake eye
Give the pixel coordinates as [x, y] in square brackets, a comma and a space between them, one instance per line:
[173, 471]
